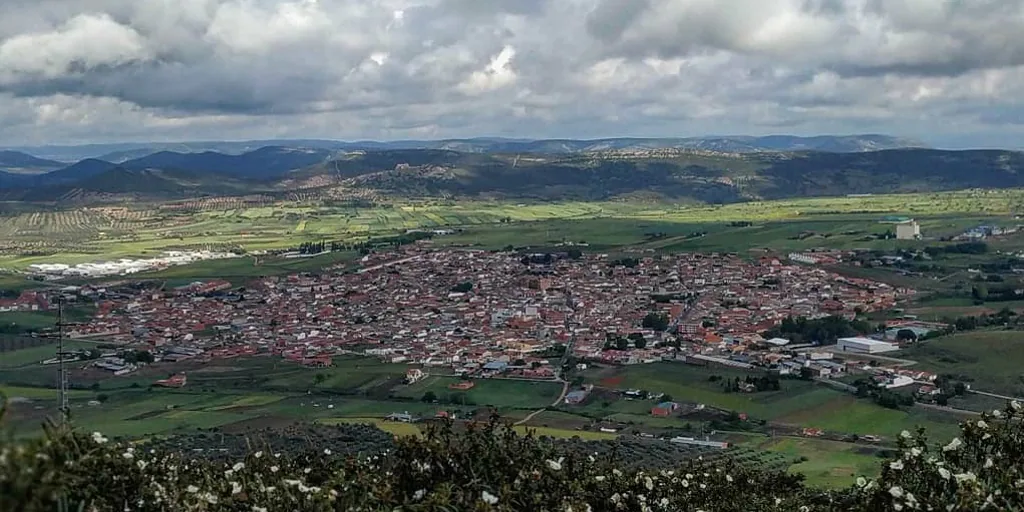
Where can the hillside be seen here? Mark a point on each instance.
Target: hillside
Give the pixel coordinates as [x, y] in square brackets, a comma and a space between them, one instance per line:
[22, 163]
[678, 175]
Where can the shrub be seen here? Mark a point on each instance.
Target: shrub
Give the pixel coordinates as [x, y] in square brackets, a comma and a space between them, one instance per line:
[491, 468]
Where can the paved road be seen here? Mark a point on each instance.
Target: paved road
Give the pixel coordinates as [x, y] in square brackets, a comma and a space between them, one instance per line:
[993, 395]
[388, 264]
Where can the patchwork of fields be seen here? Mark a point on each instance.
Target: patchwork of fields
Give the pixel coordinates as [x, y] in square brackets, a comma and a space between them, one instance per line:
[89, 234]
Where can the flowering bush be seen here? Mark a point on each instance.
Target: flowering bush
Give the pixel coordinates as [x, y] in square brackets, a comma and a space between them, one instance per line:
[491, 468]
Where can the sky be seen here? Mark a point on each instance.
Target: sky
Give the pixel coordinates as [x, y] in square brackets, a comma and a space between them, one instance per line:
[949, 72]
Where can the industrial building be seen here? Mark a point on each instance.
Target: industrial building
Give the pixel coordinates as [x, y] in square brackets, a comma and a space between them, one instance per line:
[860, 345]
[909, 230]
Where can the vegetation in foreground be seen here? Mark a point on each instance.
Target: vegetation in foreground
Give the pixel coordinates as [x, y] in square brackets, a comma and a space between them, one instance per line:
[493, 468]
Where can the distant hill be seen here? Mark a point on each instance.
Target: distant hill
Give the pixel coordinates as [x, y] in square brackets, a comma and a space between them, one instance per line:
[703, 175]
[261, 164]
[16, 162]
[120, 153]
[706, 176]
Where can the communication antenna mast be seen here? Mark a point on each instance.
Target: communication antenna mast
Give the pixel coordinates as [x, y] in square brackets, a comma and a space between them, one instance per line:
[62, 371]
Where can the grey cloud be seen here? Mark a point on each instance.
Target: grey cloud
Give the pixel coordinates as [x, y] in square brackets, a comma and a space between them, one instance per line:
[398, 68]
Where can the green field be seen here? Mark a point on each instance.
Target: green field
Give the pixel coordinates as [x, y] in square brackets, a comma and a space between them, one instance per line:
[824, 463]
[91, 234]
[487, 392]
[990, 359]
[799, 403]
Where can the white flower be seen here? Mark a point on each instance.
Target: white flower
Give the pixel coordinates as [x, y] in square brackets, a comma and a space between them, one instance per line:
[238, 467]
[192, 489]
[944, 473]
[616, 472]
[728, 478]
[307, 471]
[141, 464]
[896, 491]
[128, 455]
[489, 498]
[905, 434]
[915, 452]
[258, 454]
[663, 502]
[418, 495]
[953, 445]
[648, 483]
[274, 469]
[982, 424]
[1015, 405]
[98, 438]
[686, 483]
[997, 413]
[897, 465]
[988, 462]
[599, 478]
[259, 509]
[616, 498]
[555, 465]
[292, 482]
[236, 487]
[965, 477]
[861, 481]
[327, 451]
[210, 498]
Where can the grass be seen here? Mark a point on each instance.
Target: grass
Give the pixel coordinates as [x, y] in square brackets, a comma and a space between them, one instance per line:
[564, 433]
[491, 392]
[991, 359]
[392, 427]
[798, 403]
[35, 354]
[40, 393]
[831, 464]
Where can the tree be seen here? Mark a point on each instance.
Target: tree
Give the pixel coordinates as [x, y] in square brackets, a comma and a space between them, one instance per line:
[640, 342]
[906, 335]
[429, 397]
[319, 379]
[463, 287]
[655, 321]
[621, 343]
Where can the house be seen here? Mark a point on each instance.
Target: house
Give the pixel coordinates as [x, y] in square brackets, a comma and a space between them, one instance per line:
[664, 409]
[464, 385]
[861, 345]
[576, 397]
[908, 230]
[176, 381]
[414, 375]
[401, 417]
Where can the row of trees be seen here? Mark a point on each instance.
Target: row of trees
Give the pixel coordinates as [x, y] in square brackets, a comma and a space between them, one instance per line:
[825, 331]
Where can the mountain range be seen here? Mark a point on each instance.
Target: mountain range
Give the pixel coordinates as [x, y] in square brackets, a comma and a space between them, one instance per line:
[123, 152]
[706, 174]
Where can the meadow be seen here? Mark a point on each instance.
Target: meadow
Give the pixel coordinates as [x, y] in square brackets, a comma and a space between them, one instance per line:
[989, 360]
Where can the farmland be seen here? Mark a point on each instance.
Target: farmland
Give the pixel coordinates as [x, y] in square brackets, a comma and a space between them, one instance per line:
[798, 403]
[89, 234]
[989, 360]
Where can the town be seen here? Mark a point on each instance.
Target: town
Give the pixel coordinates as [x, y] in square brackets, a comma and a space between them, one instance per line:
[502, 314]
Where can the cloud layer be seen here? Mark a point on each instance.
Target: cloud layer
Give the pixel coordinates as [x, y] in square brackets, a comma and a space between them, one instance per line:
[949, 71]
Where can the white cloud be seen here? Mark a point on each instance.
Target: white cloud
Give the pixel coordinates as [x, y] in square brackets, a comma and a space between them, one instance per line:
[496, 75]
[82, 43]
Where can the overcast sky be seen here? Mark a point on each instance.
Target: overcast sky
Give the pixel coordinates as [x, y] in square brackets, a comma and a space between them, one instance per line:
[950, 72]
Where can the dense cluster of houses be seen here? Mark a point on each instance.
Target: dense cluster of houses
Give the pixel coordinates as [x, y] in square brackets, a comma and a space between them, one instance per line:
[487, 314]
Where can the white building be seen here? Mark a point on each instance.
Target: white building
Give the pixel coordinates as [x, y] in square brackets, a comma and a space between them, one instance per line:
[909, 230]
[864, 346]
